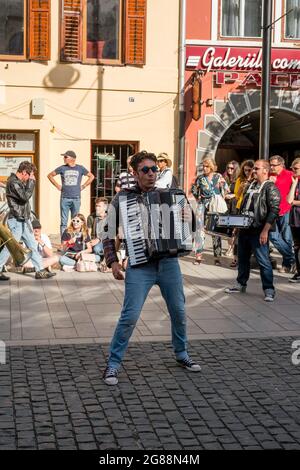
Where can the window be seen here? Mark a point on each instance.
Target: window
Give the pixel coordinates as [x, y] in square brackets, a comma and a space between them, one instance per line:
[109, 159]
[25, 35]
[241, 18]
[292, 22]
[12, 18]
[103, 31]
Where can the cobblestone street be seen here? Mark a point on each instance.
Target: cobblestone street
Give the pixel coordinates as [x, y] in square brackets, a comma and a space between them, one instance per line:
[52, 395]
[247, 397]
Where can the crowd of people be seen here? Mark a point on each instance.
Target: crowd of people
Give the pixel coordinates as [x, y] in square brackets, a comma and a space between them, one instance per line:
[270, 194]
[81, 239]
[265, 193]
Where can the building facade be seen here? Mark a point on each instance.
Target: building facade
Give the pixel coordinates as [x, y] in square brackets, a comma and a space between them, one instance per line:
[99, 77]
[223, 81]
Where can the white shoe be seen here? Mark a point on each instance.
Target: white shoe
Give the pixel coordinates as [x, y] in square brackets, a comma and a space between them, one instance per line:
[68, 269]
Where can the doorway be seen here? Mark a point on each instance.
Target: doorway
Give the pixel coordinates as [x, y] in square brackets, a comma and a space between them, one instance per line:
[241, 140]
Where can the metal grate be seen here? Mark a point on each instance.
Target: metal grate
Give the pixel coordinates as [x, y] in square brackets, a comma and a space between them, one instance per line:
[108, 161]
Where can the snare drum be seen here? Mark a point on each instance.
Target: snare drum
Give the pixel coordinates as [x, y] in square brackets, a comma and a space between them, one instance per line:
[212, 226]
[234, 221]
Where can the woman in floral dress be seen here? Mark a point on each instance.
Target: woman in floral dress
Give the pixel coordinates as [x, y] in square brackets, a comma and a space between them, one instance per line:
[207, 185]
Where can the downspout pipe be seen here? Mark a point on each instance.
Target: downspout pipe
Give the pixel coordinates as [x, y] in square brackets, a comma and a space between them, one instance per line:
[182, 60]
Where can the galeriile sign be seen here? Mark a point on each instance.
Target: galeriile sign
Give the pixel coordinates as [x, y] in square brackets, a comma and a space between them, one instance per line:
[227, 62]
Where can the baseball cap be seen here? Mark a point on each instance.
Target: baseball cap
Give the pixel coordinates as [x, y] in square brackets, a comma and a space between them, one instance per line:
[36, 223]
[69, 153]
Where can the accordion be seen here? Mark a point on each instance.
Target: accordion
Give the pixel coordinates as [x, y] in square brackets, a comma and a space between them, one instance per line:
[154, 226]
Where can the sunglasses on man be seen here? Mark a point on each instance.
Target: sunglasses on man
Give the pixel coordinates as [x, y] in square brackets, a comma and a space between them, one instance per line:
[146, 169]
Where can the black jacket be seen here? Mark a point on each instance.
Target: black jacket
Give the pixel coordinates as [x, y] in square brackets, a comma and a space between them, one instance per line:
[266, 205]
[18, 195]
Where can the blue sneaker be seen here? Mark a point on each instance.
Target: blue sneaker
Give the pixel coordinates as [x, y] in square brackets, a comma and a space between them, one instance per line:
[189, 364]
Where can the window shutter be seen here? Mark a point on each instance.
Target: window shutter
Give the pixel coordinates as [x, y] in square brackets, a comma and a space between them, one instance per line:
[71, 31]
[135, 32]
[39, 29]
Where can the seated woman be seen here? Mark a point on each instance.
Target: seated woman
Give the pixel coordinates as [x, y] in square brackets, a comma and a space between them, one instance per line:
[75, 241]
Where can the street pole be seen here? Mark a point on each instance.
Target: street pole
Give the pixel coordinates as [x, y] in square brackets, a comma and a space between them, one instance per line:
[264, 134]
[182, 57]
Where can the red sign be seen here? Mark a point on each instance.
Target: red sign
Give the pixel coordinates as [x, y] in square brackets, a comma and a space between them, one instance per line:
[243, 59]
[278, 80]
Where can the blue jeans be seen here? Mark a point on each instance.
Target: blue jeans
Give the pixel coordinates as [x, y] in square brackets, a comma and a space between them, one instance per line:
[282, 239]
[138, 282]
[66, 261]
[248, 243]
[98, 251]
[66, 205]
[22, 231]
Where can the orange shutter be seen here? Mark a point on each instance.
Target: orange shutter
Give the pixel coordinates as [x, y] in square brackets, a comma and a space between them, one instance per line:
[135, 32]
[71, 31]
[39, 29]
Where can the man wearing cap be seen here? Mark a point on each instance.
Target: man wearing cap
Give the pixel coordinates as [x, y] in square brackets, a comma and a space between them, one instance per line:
[165, 175]
[70, 187]
[44, 247]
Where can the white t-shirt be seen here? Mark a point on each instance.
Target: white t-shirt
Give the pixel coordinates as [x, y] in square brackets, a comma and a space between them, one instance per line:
[164, 179]
[45, 240]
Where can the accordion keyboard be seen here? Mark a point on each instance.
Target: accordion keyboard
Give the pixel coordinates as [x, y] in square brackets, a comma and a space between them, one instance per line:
[133, 232]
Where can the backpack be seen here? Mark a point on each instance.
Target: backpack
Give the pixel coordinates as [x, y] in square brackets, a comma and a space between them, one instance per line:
[174, 183]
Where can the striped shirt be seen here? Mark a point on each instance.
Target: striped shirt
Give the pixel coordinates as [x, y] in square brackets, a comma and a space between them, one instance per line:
[126, 180]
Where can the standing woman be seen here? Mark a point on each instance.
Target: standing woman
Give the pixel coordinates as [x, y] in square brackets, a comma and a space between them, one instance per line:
[293, 198]
[75, 238]
[207, 185]
[165, 175]
[242, 182]
[231, 175]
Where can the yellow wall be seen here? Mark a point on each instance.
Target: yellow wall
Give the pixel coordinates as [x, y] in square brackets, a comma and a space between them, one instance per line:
[86, 102]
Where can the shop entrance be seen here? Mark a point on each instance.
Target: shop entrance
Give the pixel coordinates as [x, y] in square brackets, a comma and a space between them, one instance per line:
[241, 140]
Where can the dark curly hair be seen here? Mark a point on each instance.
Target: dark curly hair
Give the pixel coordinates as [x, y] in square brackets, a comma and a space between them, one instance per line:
[140, 156]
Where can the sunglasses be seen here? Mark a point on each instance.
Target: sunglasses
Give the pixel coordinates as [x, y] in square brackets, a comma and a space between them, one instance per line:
[275, 164]
[256, 168]
[76, 221]
[230, 168]
[146, 169]
[296, 168]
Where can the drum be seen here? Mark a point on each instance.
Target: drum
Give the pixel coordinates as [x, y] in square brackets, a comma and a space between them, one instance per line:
[234, 221]
[212, 227]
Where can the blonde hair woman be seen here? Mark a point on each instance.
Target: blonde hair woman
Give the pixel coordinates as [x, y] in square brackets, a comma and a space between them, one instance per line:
[207, 185]
[75, 240]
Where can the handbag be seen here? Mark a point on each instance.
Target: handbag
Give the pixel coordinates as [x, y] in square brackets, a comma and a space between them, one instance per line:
[86, 263]
[217, 204]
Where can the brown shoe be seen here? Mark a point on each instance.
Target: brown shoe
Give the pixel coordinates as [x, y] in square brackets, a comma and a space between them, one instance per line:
[285, 269]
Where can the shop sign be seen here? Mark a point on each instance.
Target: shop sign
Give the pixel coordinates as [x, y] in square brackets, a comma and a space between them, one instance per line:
[16, 142]
[240, 59]
[278, 80]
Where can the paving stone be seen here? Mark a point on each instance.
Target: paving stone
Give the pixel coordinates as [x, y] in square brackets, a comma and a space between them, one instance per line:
[246, 397]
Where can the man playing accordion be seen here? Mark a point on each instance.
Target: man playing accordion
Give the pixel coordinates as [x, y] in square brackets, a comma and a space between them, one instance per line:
[146, 270]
